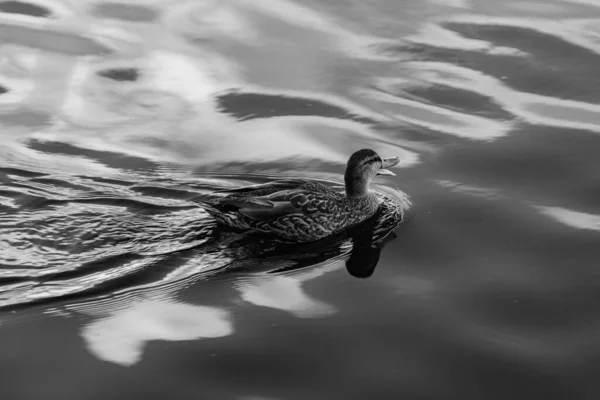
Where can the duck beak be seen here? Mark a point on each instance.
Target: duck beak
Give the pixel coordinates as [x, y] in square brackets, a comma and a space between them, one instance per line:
[388, 162]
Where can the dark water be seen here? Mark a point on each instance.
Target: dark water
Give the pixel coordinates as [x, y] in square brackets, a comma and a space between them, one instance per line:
[113, 284]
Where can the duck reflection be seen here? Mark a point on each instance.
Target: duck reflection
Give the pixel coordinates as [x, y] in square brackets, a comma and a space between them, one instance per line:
[365, 253]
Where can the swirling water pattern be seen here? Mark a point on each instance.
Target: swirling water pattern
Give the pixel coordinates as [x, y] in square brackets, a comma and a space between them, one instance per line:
[114, 114]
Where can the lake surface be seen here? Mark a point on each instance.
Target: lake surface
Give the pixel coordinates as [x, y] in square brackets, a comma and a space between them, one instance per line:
[114, 284]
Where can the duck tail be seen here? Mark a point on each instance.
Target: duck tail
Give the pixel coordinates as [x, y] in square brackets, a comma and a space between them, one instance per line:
[224, 214]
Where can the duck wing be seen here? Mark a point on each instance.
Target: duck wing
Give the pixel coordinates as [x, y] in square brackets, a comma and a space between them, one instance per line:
[236, 197]
[286, 202]
[264, 189]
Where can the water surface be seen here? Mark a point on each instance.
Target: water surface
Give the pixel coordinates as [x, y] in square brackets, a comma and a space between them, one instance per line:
[114, 115]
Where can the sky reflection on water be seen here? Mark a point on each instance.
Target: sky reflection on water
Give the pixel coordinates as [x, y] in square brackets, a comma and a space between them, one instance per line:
[115, 114]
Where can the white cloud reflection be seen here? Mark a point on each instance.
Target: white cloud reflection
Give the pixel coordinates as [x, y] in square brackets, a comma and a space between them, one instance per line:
[284, 293]
[120, 337]
[573, 219]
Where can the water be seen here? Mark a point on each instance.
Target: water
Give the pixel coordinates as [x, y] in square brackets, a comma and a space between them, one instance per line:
[114, 115]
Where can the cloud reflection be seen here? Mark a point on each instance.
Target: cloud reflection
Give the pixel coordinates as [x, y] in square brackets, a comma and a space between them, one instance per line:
[284, 293]
[120, 336]
[573, 219]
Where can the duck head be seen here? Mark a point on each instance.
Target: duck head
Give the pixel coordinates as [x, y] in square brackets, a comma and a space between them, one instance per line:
[362, 167]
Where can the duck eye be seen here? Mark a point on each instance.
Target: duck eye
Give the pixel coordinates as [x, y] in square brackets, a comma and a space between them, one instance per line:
[372, 160]
[376, 161]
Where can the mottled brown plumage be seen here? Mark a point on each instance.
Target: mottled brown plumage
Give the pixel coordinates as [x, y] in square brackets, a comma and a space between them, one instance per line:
[303, 210]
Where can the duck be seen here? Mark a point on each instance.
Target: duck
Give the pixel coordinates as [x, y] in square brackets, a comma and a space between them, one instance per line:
[304, 210]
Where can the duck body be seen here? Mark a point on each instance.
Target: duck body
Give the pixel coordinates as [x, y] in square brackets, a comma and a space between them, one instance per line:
[294, 209]
[300, 210]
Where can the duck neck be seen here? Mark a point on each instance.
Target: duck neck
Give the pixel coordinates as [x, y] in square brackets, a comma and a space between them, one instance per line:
[357, 185]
